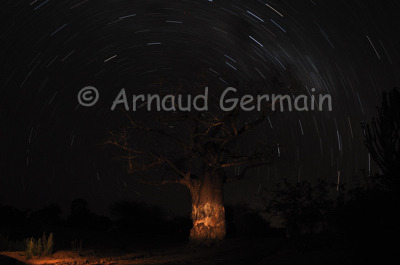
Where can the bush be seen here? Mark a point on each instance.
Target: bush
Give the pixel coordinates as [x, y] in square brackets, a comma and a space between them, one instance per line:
[241, 220]
[77, 246]
[7, 244]
[302, 205]
[30, 248]
[41, 247]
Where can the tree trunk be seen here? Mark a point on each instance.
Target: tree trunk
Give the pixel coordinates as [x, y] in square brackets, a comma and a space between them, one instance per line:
[208, 212]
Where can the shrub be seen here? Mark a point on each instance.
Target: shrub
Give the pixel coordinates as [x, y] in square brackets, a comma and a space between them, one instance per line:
[77, 246]
[7, 244]
[47, 244]
[302, 205]
[40, 247]
[30, 246]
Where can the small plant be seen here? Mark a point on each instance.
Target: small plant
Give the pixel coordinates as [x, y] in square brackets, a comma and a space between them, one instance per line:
[30, 246]
[77, 246]
[47, 244]
[38, 248]
[41, 247]
[7, 244]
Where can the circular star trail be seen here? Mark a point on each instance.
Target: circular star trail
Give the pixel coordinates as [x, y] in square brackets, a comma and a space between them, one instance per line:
[50, 50]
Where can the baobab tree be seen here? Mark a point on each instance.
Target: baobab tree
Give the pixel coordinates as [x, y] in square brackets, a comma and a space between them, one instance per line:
[199, 150]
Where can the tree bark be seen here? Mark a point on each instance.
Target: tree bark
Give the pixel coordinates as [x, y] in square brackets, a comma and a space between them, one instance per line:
[208, 212]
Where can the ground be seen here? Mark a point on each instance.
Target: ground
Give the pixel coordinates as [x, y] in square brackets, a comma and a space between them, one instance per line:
[234, 251]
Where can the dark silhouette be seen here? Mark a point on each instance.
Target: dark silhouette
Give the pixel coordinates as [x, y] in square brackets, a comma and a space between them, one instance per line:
[5, 260]
[81, 217]
[137, 218]
[47, 216]
[380, 201]
[243, 221]
[137, 223]
[382, 138]
[301, 205]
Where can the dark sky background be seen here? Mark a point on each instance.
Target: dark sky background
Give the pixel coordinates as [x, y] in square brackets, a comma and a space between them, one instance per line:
[50, 50]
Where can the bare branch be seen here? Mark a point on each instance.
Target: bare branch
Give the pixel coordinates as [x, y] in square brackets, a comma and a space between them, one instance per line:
[170, 164]
[245, 161]
[162, 182]
[159, 159]
[156, 131]
[244, 171]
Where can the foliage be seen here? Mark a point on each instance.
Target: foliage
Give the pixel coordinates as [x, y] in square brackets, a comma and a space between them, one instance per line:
[137, 218]
[47, 216]
[302, 206]
[82, 218]
[245, 221]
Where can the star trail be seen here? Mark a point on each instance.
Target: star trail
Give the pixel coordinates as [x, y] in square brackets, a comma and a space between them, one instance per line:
[51, 49]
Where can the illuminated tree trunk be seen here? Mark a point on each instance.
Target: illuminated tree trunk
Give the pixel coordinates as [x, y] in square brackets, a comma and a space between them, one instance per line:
[208, 212]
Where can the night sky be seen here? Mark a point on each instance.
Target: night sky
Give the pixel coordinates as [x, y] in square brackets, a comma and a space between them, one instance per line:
[50, 146]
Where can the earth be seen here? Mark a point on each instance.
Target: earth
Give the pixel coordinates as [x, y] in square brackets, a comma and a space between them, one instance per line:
[243, 251]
